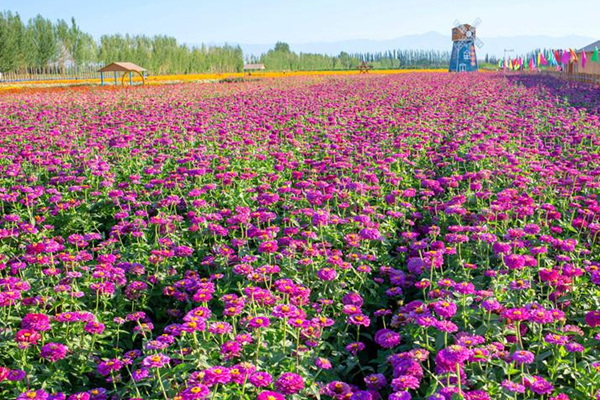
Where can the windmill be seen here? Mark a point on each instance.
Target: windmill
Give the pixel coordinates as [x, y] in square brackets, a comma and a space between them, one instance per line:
[464, 40]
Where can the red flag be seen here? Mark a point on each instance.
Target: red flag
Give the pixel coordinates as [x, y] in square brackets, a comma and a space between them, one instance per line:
[573, 55]
[557, 56]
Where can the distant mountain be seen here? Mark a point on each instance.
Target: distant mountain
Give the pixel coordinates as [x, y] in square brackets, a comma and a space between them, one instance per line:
[430, 41]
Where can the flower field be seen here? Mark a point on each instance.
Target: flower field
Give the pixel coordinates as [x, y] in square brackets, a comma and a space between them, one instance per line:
[424, 236]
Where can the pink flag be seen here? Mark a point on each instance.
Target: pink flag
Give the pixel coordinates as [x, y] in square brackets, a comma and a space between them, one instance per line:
[566, 57]
[543, 60]
[531, 64]
[583, 58]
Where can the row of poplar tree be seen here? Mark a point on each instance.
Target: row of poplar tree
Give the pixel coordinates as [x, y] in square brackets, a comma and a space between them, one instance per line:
[41, 45]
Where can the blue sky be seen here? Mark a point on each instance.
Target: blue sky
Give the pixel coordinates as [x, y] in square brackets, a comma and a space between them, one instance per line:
[301, 21]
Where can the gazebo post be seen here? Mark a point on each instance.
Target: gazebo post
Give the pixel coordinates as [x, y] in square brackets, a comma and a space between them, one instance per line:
[115, 78]
[130, 81]
[101, 78]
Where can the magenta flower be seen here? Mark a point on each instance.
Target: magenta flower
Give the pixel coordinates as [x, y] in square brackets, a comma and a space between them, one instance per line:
[258, 322]
[370, 234]
[260, 379]
[269, 246]
[36, 322]
[289, 383]
[53, 351]
[326, 274]
[592, 318]
[323, 363]
[196, 392]
[267, 395]
[40, 394]
[359, 319]
[539, 385]
[155, 361]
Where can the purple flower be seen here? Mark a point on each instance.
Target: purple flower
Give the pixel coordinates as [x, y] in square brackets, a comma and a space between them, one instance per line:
[445, 309]
[79, 396]
[217, 375]
[477, 395]
[370, 234]
[523, 357]
[337, 389]
[400, 396]
[16, 375]
[326, 274]
[36, 322]
[539, 385]
[447, 359]
[361, 395]
[94, 327]
[375, 381]
[513, 386]
[405, 382]
[269, 246]
[106, 367]
[139, 374]
[387, 338]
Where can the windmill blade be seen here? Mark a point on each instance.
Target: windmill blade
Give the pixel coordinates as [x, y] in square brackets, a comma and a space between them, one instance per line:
[476, 23]
[478, 43]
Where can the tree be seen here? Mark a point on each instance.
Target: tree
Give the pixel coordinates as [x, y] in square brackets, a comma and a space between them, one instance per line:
[282, 47]
[11, 32]
[44, 41]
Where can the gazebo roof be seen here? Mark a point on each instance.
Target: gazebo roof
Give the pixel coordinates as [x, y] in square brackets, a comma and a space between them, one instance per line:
[254, 66]
[122, 67]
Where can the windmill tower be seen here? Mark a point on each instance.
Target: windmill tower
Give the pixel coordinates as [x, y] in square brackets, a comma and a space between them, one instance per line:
[464, 40]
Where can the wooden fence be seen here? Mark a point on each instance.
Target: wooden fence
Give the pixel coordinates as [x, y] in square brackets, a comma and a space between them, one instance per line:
[51, 74]
[593, 79]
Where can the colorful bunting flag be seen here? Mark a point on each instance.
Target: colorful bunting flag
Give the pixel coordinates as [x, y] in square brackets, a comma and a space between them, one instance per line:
[595, 55]
[583, 59]
[542, 60]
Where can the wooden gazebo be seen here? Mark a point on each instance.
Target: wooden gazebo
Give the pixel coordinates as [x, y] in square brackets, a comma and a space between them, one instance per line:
[248, 68]
[125, 67]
